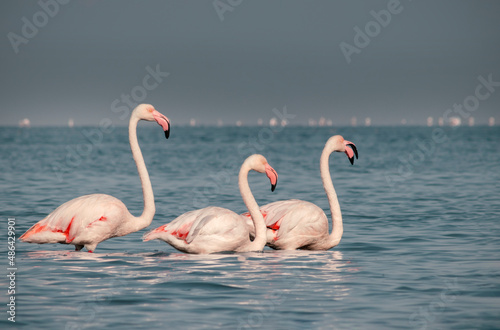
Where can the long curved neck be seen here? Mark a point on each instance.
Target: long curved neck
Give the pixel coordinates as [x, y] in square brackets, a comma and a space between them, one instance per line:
[147, 190]
[253, 208]
[338, 229]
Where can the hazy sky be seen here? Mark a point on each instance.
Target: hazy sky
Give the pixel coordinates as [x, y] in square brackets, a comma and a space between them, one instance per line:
[248, 58]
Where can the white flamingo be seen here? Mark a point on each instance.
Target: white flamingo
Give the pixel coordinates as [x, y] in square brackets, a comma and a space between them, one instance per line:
[296, 224]
[215, 229]
[91, 219]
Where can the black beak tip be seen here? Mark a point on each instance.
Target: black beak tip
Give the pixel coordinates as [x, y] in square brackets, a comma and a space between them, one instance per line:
[351, 159]
[167, 132]
[273, 186]
[353, 147]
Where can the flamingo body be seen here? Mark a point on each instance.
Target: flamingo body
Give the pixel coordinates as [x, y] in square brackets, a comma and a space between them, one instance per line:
[83, 221]
[208, 230]
[294, 224]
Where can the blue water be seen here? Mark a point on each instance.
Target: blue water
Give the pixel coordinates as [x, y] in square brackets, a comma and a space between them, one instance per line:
[420, 247]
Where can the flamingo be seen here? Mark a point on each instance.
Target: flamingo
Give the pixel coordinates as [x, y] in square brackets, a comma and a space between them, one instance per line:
[215, 229]
[296, 224]
[91, 219]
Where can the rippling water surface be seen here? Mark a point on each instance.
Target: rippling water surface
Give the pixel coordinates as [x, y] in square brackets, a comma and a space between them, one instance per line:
[420, 247]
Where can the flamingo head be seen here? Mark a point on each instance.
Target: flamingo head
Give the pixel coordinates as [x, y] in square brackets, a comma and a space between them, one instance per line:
[259, 163]
[337, 143]
[149, 113]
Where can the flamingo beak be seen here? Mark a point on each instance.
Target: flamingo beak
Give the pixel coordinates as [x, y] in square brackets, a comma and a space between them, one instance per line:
[351, 151]
[163, 121]
[272, 175]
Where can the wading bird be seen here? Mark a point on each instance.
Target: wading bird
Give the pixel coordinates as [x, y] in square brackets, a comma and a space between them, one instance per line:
[296, 224]
[215, 229]
[91, 219]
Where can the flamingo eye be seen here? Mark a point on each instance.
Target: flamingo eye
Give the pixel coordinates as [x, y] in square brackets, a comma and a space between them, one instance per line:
[150, 109]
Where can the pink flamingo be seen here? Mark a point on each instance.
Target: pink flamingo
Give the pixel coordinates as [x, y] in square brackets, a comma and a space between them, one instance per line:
[296, 224]
[91, 219]
[215, 229]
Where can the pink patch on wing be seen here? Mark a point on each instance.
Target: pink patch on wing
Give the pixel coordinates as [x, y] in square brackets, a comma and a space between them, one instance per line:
[161, 228]
[66, 232]
[183, 231]
[33, 230]
[103, 218]
[276, 225]
[40, 228]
